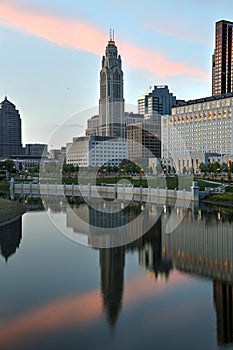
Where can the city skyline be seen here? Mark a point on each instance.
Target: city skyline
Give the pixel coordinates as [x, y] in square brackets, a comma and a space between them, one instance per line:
[51, 74]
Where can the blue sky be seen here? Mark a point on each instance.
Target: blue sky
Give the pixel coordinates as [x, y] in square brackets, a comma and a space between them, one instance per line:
[51, 54]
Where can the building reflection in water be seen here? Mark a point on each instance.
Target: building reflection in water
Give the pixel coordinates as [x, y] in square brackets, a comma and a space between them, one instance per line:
[10, 238]
[202, 244]
[112, 263]
[223, 301]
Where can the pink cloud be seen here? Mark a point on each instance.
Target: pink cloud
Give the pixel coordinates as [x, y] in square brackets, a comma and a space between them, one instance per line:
[64, 32]
[155, 62]
[83, 36]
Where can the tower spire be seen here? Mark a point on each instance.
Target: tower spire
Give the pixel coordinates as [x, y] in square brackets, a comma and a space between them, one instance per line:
[111, 36]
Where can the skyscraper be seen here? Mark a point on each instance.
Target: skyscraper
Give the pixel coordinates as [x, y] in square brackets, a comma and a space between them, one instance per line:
[157, 100]
[111, 102]
[222, 61]
[10, 129]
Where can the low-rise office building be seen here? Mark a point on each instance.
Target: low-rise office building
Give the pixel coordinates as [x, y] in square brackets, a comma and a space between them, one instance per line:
[96, 151]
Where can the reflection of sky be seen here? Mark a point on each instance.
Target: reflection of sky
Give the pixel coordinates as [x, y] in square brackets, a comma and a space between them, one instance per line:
[51, 290]
[83, 310]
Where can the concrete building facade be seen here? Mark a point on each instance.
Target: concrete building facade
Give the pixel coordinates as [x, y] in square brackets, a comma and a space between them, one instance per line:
[96, 151]
[196, 129]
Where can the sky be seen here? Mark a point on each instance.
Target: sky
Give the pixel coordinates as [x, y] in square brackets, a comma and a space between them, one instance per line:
[51, 55]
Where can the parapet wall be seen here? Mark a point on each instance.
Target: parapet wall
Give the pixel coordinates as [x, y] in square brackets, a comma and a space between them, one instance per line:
[112, 192]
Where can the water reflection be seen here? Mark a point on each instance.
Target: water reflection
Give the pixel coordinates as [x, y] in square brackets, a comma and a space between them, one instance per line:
[223, 301]
[10, 238]
[112, 263]
[202, 245]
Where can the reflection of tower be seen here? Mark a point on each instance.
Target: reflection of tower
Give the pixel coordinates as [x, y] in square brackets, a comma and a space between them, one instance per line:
[112, 262]
[111, 102]
[10, 237]
[150, 252]
[223, 300]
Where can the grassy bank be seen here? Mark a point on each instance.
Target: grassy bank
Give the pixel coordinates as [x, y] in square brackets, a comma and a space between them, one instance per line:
[224, 200]
[9, 210]
[154, 182]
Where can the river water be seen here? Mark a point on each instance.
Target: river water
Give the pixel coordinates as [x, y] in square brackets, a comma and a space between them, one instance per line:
[166, 290]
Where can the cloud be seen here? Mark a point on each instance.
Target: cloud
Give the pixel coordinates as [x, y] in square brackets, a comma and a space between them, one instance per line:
[156, 63]
[186, 30]
[64, 32]
[82, 35]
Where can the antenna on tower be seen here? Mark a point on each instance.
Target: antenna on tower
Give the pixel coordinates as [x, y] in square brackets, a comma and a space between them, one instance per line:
[110, 34]
[113, 34]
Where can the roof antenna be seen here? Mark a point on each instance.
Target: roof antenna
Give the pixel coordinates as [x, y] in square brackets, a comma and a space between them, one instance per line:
[110, 34]
[5, 95]
[113, 34]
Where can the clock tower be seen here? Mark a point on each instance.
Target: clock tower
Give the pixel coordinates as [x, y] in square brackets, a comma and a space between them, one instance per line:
[111, 102]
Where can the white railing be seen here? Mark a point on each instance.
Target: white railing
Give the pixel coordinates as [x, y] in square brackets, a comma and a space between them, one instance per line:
[113, 191]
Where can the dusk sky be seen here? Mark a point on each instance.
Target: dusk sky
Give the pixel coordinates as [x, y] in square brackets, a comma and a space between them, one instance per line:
[51, 54]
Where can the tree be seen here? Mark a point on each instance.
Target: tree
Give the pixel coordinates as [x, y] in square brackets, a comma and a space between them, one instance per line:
[224, 167]
[231, 167]
[216, 167]
[128, 167]
[109, 169]
[159, 169]
[8, 165]
[69, 168]
[202, 167]
[209, 167]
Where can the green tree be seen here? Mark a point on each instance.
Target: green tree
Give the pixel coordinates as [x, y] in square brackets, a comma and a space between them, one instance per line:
[224, 167]
[128, 167]
[8, 165]
[159, 169]
[209, 167]
[202, 168]
[216, 167]
[69, 169]
[231, 167]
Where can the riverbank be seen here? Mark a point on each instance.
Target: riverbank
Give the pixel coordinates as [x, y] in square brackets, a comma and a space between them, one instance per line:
[224, 200]
[10, 210]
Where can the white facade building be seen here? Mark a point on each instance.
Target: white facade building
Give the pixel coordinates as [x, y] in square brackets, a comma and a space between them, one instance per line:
[197, 130]
[96, 151]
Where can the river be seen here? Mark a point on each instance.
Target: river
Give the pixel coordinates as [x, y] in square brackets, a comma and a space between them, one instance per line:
[164, 290]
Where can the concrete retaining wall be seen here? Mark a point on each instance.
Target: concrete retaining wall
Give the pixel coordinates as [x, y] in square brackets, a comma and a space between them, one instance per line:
[111, 192]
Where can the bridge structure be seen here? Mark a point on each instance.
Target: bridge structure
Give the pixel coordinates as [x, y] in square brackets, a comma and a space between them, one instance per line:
[116, 191]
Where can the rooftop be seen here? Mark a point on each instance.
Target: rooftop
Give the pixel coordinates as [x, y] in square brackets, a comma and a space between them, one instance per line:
[204, 99]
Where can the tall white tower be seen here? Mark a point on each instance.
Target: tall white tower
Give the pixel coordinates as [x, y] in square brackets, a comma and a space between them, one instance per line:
[111, 102]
